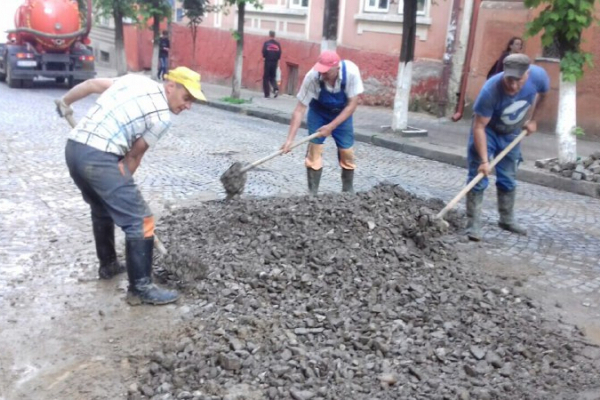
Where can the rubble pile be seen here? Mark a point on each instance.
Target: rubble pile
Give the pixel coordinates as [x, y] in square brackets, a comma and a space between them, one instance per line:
[348, 297]
[586, 169]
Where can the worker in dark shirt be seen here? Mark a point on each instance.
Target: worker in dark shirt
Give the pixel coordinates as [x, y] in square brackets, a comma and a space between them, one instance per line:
[271, 53]
[163, 54]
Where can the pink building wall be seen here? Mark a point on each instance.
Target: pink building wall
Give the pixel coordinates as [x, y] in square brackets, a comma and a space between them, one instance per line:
[497, 23]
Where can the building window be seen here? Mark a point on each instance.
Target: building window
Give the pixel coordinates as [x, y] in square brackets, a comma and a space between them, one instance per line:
[377, 5]
[422, 7]
[298, 3]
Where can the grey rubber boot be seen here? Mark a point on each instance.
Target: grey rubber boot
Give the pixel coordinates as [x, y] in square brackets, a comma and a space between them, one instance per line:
[104, 236]
[474, 203]
[348, 180]
[139, 268]
[313, 177]
[506, 206]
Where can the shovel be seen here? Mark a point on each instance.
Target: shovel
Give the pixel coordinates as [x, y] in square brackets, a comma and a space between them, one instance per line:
[479, 177]
[157, 243]
[234, 179]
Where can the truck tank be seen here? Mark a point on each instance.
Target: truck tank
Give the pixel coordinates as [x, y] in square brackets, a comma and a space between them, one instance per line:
[50, 39]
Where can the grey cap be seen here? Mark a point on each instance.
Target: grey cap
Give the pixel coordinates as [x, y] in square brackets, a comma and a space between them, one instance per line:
[515, 65]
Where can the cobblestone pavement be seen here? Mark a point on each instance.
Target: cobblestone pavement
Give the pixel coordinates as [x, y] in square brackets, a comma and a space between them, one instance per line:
[39, 200]
[41, 211]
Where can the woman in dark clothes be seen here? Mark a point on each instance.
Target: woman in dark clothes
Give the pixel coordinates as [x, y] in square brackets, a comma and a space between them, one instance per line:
[515, 45]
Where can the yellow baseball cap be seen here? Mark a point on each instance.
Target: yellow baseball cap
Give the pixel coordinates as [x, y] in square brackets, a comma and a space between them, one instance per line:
[189, 79]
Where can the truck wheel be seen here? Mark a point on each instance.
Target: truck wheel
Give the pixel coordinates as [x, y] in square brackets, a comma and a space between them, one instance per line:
[12, 82]
[74, 82]
[3, 75]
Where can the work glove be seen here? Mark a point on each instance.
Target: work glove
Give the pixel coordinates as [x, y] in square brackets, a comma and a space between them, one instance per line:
[62, 108]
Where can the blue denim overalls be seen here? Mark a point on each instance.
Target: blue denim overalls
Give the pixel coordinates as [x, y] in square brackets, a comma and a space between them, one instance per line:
[326, 108]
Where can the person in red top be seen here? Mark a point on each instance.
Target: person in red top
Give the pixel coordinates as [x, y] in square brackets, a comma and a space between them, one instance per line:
[271, 52]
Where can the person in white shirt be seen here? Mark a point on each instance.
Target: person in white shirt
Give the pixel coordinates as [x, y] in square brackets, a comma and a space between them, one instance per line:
[330, 92]
[103, 152]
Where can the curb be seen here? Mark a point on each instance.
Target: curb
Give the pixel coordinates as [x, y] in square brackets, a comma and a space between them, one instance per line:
[525, 174]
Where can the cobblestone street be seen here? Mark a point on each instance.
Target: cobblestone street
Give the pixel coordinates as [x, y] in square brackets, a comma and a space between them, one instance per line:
[47, 253]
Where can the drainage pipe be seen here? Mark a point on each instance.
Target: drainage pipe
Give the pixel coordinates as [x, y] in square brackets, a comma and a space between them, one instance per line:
[467, 66]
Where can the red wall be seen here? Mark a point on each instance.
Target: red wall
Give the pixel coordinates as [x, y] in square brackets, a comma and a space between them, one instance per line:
[138, 46]
[215, 58]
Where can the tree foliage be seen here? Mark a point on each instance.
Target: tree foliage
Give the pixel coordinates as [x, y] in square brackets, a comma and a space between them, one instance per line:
[562, 22]
[157, 9]
[109, 8]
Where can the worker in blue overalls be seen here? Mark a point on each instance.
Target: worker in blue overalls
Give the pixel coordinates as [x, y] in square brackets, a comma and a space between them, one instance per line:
[330, 91]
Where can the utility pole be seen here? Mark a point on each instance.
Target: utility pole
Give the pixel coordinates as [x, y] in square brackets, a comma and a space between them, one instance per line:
[330, 25]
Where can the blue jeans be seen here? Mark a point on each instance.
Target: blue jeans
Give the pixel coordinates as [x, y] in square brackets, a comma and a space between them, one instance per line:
[506, 169]
[343, 134]
[111, 192]
[163, 63]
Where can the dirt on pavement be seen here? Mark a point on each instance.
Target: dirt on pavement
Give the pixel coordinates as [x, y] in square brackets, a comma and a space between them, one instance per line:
[328, 297]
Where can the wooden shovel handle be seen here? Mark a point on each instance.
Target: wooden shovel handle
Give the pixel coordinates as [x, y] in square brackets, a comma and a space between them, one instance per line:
[480, 175]
[279, 152]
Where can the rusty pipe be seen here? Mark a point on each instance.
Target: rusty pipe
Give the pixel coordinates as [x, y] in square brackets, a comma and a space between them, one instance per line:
[460, 105]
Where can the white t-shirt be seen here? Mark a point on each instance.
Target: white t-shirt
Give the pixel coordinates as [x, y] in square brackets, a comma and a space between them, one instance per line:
[133, 106]
[310, 86]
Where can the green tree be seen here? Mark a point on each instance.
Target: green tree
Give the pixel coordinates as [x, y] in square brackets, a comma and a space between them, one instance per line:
[562, 23]
[194, 11]
[117, 9]
[157, 10]
[238, 35]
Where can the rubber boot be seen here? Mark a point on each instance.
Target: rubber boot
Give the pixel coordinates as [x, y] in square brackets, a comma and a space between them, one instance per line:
[139, 268]
[104, 236]
[506, 205]
[348, 180]
[474, 203]
[313, 178]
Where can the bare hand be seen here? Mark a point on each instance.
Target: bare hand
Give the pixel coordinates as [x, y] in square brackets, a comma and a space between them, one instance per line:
[286, 146]
[325, 131]
[62, 108]
[484, 168]
[531, 127]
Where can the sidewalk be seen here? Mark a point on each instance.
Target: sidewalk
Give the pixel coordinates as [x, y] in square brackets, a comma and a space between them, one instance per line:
[446, 140]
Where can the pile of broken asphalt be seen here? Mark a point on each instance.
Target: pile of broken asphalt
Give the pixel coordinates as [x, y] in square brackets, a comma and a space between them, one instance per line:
[348, 297]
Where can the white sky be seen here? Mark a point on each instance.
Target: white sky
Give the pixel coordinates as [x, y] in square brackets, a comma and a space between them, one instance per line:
[7, 16]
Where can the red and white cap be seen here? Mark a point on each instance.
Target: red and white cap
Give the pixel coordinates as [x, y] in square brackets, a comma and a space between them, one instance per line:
[327, 60]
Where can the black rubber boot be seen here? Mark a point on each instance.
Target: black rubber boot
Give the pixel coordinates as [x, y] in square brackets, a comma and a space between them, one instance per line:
[348, 180]
[104, 236]
[506, 206]
[474, 203]
[139, 268]
[313, 177]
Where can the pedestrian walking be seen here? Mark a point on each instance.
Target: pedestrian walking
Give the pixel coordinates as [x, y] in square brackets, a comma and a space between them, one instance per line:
[507, 103]
[271, 52]
[163, 54]
[514, 46]
[103, 152]
[330, 92]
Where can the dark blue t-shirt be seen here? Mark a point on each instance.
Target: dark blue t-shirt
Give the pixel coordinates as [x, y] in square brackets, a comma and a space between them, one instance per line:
[508, 112]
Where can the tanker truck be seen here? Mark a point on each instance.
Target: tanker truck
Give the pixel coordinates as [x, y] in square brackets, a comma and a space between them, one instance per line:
[50, 39]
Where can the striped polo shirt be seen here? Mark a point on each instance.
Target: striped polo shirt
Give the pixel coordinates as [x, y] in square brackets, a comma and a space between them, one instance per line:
[132, 107]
